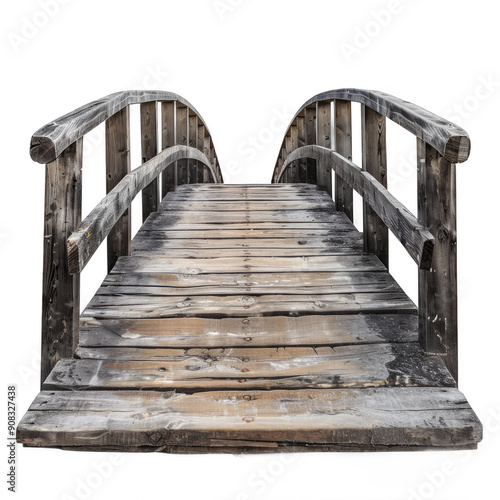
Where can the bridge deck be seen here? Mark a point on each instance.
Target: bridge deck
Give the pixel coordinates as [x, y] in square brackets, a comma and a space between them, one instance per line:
[248, 318]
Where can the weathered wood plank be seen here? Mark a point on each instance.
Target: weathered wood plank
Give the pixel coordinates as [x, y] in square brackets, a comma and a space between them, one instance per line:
[268, 331]
[60, 290]
[181, 138]
[169, 175]
[359, 366]
[310, 140]
[255, 284]
[373, 135]
[248, 264]
[438, 286]
[149, 148]
[117, 167]
[343, 146]
[416, 239]
[143, 306]
[193, 142]
[238, 206]
[360, 418]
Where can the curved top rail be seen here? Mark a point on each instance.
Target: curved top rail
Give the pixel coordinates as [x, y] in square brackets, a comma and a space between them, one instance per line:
[83, 243]
[448, 139]
[52, 139]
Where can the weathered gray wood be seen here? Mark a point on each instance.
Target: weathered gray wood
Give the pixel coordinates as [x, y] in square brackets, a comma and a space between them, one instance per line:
[192, 142]
[359, 418]
[150, 249]
[181, 138]
[83, 243]
[243, 204]
[257, 368]
[52, 139]
[417, 240]
[302, 162]
[373, 136]
[248, 264]
[438, 286]
[169, 175]
[310, 139]
[343, 146]
[60, 290]
[448, 139]
[149, 148]
[200, 145]
[146, 306]
[117, 167]
[324, 139]
[268, 331]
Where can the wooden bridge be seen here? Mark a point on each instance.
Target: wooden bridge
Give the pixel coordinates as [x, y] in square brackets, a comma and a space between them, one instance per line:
[249, 318]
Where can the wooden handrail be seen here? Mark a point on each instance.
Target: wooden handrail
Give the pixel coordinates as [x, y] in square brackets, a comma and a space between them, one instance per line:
[83, 243]
[440, 144]
[417, 240]
[190, 158]
[450, 140]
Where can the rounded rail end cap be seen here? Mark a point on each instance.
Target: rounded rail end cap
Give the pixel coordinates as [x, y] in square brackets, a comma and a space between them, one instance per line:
[42, 149]
[457, 149]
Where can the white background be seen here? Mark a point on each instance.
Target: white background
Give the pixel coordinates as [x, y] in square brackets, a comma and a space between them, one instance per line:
[242, 65]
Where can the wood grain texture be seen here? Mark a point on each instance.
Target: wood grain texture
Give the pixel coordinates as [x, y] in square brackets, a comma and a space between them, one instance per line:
[324, 139]
[169, 175]
[149, 149]
[450, 140]
[83, 243]
[438, 300]
[360, 419]
[403, 365]
[259, 331]
[60, 290]
[374, 162]
[418, 241]
[52, 139]
[343, 146]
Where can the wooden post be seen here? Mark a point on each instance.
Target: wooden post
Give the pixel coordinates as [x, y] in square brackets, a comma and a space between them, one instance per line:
[193, 142]
[376, 235]
[168, 178]
[294, 167]
[437, 288]
[181, 139]
[343, 146]
[324, 139]
[61, 290]
[149, 146]
[117, 167]
[200, 146]
[288, 149]
[310, 119]
[207, 177]
[301, 131]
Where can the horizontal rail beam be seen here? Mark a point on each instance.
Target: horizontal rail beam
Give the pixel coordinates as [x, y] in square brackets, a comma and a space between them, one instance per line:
[417, 240]
[52, 139]
[83, 243]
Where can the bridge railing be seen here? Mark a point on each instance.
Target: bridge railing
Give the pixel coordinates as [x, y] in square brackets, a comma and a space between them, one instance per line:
[310, 152]
[188, 156]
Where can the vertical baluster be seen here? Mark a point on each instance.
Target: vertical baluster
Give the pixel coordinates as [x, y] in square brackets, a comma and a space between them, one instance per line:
[324, 138]
[288, 148]
[200, 146]
[310, 119]
[169, 175]
[343, 146]
[181, 139]
[301, 132]
[193, 142]
[60, 290]
[376, 235]
[149, 147]
[437, 288]
[117, 166]
[207, 176]
[294, 167]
